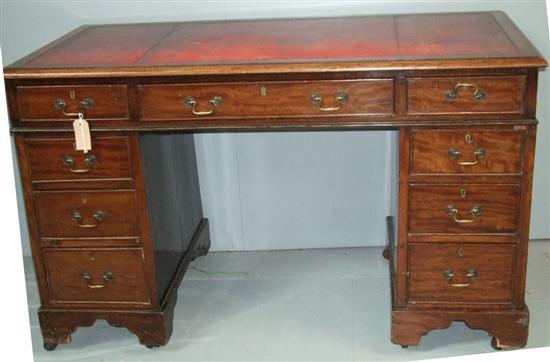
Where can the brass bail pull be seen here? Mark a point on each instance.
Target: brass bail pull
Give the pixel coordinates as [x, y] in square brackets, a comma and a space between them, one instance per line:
[478, 94]
[215, 102]
[98, 216]
[449, 275]
[341, 99]
[455, 154]
[87, 277]
[89, 160]
[86, 104]
[453, 212]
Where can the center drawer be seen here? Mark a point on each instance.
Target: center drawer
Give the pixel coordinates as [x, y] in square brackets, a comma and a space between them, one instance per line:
[266, 99]
[455, 273]
[87, 214]
[96, 276]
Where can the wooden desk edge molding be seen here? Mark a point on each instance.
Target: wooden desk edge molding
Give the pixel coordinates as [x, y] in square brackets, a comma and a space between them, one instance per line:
[114, 229]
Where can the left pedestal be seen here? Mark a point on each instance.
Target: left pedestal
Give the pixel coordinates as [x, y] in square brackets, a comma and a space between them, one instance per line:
[113, 230]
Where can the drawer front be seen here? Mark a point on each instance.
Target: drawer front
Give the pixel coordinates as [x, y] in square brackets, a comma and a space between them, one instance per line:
[463, 208]
[464, 152]
[270, 99]
[57, 160]
[94, 101]
[463, 95]
[117, 242]
[87, 214]
[96, 275]
[454, 273]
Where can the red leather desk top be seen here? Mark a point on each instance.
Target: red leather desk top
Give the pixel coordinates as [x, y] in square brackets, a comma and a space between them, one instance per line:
[320, 40]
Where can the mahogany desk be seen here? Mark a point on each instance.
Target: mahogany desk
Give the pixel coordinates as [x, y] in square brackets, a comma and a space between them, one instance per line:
[113, 230]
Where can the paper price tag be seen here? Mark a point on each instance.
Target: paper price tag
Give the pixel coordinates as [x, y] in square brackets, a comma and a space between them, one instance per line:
[82, 134]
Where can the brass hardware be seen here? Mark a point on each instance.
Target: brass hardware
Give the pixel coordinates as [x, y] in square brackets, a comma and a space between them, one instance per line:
[454, 154]
[462, 193]
[341, 98]
[72, 94]
[460, 252]
[453, 212]
[89, 160]
[85, 199]
[60, 104]
[263, 91]
[107, 277]
[449, 275]
[523, 321]
[216, 101]
[98, 217]
[468, 139]
[478, 94]
[68, 160]
[87, 103]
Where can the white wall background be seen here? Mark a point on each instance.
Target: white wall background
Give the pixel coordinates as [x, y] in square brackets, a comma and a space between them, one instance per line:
[286, 190]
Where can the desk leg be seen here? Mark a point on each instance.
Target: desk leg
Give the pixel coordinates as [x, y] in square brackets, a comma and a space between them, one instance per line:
[509, 329]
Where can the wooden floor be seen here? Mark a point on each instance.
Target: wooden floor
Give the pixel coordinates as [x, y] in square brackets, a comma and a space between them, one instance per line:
[306, 305]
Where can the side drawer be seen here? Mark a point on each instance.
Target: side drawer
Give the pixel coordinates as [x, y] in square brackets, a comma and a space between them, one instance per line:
[87, 214]
[94, 101]
[55, 159]
[266, 99]
[467, 152]
[465, 95]
[96, 276]
[463, 208]
[455, 273]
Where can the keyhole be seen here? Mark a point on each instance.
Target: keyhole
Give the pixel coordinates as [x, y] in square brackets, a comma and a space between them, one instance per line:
[460, 252]
[462, 193]
[92, 256]
[84, 199]
[468, 139]
[72, 94]
[263, 91]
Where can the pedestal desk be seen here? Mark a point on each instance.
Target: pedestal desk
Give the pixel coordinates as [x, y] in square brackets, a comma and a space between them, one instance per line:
[113, 230]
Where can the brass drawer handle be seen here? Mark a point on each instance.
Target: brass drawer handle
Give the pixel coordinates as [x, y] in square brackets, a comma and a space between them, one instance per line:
[60, 104]
[87, 277]
[449, 275]
[89, 160]
[341, 98]
[478, 94]
[453, 212]
[98, 216]
[216, 101]
[454, 154]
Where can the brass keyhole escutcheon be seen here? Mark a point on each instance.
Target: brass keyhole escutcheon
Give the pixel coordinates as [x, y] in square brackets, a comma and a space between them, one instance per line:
[460, 252]
[462, 193]
[84, 199]
[263, 91]
[468, 139]
[72, 94]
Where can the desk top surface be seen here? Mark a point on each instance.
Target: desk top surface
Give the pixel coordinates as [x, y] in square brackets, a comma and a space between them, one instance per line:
[454, 40]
